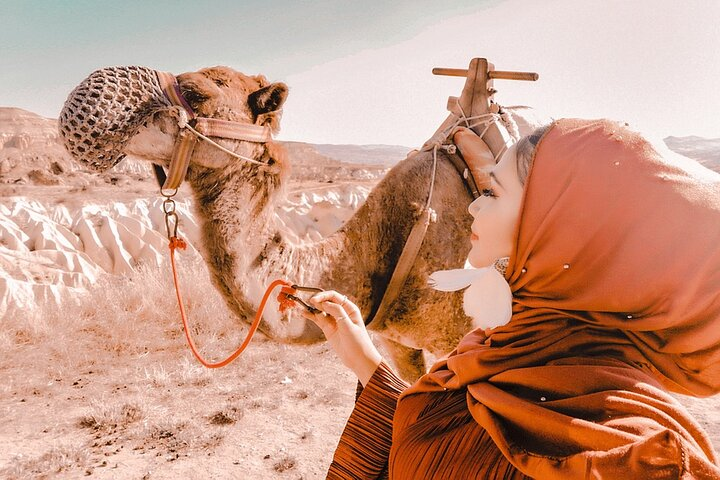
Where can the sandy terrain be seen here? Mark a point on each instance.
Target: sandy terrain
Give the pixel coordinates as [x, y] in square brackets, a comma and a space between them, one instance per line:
[97, 378]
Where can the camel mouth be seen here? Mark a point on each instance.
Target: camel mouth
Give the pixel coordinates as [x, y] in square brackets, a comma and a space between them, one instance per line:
[155, 140]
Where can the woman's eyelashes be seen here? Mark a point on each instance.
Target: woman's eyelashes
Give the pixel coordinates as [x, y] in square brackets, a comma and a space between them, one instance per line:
[487, 192]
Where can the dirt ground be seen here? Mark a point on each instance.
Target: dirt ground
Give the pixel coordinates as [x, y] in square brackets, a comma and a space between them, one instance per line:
[107, 387]
[121, 402]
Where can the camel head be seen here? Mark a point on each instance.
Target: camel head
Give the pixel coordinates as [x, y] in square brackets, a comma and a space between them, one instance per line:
[119, 111]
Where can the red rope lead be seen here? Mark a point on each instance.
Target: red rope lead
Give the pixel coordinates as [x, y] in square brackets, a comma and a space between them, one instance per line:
[175, 243]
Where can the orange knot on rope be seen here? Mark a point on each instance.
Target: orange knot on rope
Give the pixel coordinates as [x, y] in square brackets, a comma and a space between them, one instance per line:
[177, 242]
[285, 298]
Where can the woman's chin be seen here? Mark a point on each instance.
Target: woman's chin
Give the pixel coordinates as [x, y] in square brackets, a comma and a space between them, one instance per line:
[482, 259]
[476, 262]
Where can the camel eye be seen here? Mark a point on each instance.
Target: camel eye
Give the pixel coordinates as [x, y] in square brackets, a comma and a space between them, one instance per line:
[194, 98]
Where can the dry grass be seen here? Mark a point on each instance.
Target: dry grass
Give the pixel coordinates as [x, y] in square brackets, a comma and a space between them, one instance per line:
[285, 463]
[55, 461]
[127, 315]
[106, 387]
[227, 416]
[110, 418]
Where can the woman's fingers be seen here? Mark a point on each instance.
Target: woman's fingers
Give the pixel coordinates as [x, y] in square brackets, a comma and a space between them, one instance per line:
[338, 305]
[353, 312]
[338, 313]
[325, 322]
[329, 295]
[332, 307]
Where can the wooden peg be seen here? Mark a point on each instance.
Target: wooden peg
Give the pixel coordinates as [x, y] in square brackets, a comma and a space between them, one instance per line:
[477, 98]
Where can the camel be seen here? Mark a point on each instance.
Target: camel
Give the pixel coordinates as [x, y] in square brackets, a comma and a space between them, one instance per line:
[246, 248]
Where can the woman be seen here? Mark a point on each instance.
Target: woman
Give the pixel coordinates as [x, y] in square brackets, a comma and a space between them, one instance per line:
[614, 268]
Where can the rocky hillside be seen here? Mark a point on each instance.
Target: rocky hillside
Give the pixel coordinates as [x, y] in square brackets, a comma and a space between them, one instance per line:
[31, 152]
[30, 149]
[316, 163]
[385, 155]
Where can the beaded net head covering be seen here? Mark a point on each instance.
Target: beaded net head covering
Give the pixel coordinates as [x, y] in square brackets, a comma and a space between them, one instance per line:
[106, 110]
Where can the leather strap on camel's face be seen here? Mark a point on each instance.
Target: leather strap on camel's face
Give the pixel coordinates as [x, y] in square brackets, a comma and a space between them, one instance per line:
[107, 109]
[193, 127]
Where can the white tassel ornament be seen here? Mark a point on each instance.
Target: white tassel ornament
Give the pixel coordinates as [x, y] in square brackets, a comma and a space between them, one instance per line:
[487, 300]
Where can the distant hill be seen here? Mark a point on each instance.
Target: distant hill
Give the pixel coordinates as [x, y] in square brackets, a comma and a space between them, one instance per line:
[377, 155]
[340, 162]
[704, 150]
[31, 151]
[385, 155]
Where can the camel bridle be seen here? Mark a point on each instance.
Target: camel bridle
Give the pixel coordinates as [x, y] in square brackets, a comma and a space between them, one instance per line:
[194, 128]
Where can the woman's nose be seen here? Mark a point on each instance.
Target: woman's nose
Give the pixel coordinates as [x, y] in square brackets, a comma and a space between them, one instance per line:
[474, 207]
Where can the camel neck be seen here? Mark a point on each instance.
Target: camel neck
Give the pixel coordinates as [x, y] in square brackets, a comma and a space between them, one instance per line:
[246, 246]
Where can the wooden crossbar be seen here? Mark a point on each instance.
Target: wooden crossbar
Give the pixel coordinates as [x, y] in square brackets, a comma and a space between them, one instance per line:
[477, 98]
[493, 74]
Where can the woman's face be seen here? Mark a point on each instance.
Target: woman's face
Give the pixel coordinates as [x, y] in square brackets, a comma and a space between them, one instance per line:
[496, 213]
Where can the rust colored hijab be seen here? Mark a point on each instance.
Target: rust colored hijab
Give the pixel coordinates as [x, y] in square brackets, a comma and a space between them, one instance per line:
[616, 298]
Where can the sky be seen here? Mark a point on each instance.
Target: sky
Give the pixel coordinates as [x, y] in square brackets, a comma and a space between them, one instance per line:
[359, 72]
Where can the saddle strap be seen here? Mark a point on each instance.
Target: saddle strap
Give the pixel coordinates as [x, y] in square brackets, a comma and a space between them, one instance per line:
[414, 242]
[404, 264]
[465, 172]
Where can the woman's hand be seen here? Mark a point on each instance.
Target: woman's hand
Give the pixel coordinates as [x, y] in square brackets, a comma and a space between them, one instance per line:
[344, 328]
[472, 147]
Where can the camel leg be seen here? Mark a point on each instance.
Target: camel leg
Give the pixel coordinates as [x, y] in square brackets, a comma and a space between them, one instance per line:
[408, 362]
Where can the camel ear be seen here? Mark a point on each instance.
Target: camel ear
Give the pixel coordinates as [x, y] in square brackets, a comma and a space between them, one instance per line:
[268, 99]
